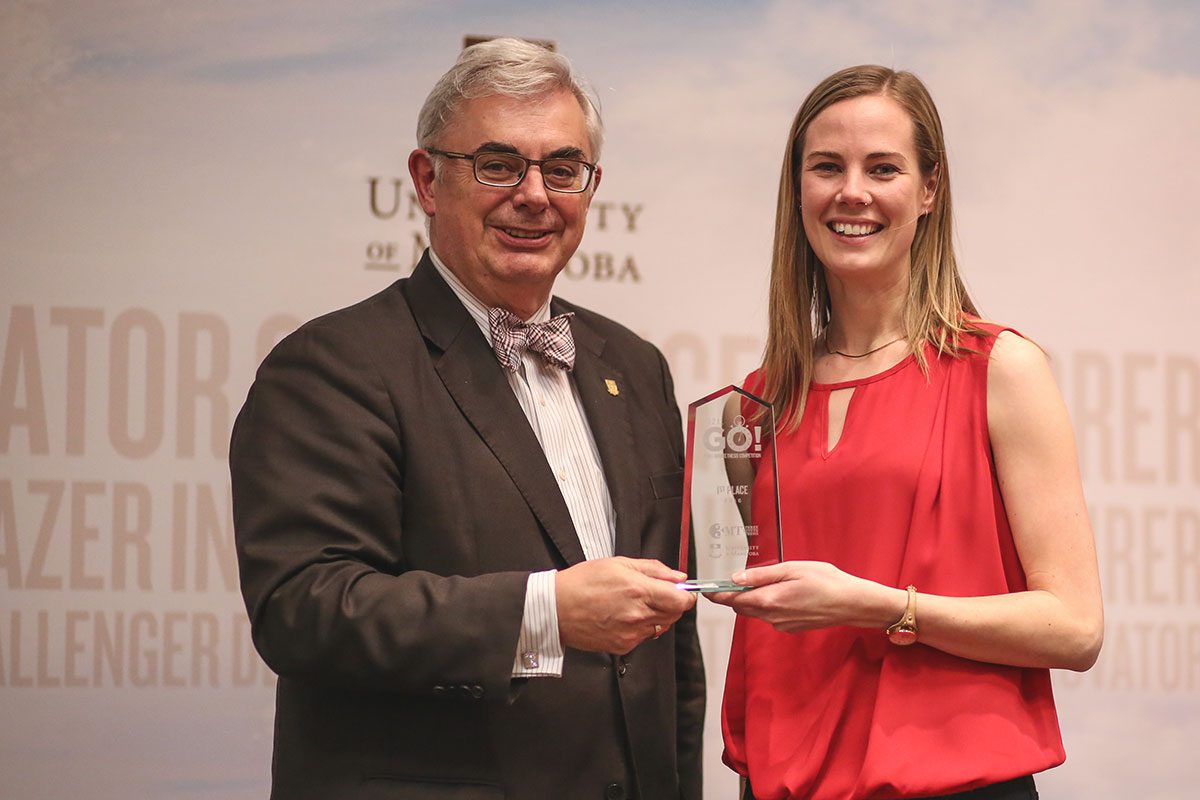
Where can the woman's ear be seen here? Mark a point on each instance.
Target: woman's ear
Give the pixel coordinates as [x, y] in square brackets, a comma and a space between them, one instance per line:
[931, 184]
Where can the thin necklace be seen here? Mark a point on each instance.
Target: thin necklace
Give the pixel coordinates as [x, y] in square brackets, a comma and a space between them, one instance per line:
[832, 352]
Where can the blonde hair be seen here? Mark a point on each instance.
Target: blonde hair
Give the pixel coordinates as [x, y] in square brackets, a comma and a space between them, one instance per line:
[799, 297]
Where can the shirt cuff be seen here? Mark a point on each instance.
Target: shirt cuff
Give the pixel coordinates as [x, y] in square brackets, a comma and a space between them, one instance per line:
[539, 651]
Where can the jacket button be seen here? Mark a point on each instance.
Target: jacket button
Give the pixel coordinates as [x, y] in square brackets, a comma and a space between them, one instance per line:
[439, 690]
[622, 668]
[614, 791]
[477, 692]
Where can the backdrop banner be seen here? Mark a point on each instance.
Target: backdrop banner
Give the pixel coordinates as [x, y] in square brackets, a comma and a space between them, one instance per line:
[182, 184]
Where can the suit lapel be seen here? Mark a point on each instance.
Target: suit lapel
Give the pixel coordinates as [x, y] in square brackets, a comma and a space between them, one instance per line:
[606, 402]
[476, 381]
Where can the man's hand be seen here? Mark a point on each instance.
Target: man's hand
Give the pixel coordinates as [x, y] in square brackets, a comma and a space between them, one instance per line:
[611, 605]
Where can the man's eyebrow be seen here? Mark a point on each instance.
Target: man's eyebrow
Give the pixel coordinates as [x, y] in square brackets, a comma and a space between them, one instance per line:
[569, 151]
[497, 147]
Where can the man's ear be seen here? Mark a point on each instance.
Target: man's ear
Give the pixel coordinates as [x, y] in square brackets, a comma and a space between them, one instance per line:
[420, 168]
[596, 179]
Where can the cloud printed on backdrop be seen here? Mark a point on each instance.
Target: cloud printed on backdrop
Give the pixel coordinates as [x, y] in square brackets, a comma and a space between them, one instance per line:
[182, 184]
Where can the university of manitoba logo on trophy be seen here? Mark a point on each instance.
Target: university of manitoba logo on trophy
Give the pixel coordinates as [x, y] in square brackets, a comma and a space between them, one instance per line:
[606, 255]
[737, 526]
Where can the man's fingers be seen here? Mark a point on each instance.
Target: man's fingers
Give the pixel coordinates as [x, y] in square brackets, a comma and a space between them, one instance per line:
[652, 568]
[614, 604]
[663, 598]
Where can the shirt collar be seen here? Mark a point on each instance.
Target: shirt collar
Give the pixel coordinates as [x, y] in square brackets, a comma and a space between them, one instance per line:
[477, 310]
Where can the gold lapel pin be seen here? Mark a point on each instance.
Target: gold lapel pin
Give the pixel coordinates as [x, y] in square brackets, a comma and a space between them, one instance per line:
[611, 385]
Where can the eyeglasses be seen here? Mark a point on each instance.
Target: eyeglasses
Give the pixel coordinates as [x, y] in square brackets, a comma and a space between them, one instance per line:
[569, 175]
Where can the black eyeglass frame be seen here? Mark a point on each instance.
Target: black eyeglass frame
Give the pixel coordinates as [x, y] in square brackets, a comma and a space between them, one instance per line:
[591, 168]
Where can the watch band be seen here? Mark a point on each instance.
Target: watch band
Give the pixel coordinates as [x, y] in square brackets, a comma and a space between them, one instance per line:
[904, 630]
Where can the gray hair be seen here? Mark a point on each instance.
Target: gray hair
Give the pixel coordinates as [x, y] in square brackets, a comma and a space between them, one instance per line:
[508, 67]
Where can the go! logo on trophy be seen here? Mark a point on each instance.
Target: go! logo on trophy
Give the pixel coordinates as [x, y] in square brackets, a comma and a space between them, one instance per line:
[738, 441]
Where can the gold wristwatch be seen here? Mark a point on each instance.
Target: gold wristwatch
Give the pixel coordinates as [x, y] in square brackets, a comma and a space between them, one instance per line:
[904, 631]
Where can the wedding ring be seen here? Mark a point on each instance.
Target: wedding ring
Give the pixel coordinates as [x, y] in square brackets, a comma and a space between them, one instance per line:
[658, 630]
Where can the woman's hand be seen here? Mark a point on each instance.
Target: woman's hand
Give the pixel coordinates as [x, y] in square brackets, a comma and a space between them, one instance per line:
[802, 595]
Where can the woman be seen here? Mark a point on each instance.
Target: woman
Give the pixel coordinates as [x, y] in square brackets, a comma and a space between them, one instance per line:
[929, 483]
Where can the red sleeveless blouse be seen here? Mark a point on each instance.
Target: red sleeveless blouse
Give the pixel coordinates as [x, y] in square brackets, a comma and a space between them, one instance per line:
[908, 495]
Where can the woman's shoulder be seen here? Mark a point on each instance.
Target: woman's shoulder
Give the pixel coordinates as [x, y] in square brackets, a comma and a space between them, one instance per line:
[755, 382]
[1016, 360]
[984, 340]
[999, 341]
[754, 385]
[1014, 368]
[982, 334]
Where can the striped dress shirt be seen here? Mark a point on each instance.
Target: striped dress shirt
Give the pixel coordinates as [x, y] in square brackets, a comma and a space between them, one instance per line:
[552, 405]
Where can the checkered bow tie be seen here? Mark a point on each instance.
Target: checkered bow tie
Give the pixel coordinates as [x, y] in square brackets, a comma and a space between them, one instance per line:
[551, 339]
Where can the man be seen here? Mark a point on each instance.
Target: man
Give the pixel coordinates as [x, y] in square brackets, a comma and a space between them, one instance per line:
[451, 551]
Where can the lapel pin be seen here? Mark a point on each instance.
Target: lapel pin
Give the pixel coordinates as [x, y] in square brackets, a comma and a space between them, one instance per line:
[612, 387]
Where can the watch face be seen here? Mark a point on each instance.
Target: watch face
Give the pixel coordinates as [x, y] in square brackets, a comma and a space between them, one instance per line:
[902, 636]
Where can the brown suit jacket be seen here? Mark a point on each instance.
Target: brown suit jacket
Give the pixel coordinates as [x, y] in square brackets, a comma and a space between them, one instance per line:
[390, 500]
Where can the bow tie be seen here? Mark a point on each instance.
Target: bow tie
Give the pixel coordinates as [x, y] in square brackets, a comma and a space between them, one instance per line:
[551, 339]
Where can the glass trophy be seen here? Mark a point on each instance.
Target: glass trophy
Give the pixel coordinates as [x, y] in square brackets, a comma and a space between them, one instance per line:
[733, 527]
